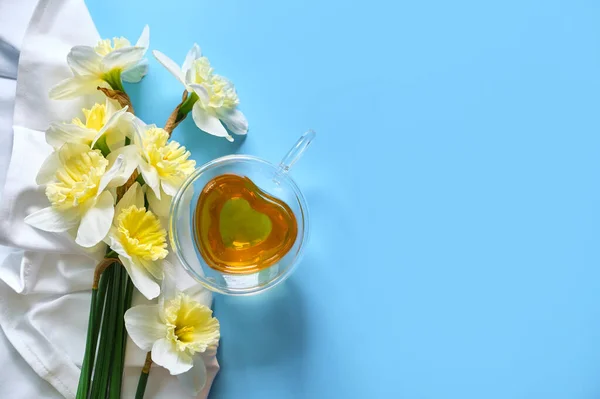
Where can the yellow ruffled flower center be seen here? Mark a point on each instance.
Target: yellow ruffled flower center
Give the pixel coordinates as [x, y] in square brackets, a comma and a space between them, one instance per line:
[106, 46]
[141, 234]
[221, 92]
[170, 159]
[77, 180]
[95, 118]
[190, 325]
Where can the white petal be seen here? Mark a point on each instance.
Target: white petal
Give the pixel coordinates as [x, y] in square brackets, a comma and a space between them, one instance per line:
[209, 123]
[194, 380]
[144, 326]
[165, 354]
[144, 40]
[142, 280]
[169, 187]
[115, 170]
[48, 169]
[113, 242]
[96, 222]
[115, 139]
[160, 206]
[61, 133]
[151, 177]
[133, 196]
[76, 86]
[49, 219]
[110, 123]
[84, 60]
[201, 92]
[191, 56]
[170, 65]
[131, 158]
[136, 73]
[168, 287]
[235, 121]
[200, 294]
[123, 58]
[155, 268]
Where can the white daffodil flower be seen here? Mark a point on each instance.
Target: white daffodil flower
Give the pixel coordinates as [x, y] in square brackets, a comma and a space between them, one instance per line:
[108, 121]
[215, 97]
[178, 331]
[140, 240]
[163, 163]
[104, 65]
[76, 179]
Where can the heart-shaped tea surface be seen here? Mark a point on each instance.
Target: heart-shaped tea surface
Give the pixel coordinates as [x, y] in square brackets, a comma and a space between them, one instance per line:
[241, 229]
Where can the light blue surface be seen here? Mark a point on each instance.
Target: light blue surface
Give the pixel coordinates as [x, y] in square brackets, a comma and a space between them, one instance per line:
[453, 185]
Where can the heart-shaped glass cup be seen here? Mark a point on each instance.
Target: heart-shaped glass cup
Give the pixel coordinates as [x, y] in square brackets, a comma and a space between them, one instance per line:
[275, 181]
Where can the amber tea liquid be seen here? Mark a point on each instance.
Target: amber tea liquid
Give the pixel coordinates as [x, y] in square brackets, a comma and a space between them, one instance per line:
[239, 228]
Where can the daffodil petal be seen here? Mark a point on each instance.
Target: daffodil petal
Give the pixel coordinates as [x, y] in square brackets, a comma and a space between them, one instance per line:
[141, 278]
[110, 123]
[201, 92]
[200, 294]
[151, 177]
[58, 134]
[191, 56]
[48, 169]
[165, 354]
[169, 187]
[113, 243]
[144, 326]
[168, 288]
[116, 170]
[144, 40]
[49, 219]
[160, 206]
[235, 121]
[130, 156]
[123, 58]
[209, 123]
[153, 267]
[96, 222]
[194, 380]
[170, 65]
[133, 196]
[76, 86]
[84, 60]
[136, 73]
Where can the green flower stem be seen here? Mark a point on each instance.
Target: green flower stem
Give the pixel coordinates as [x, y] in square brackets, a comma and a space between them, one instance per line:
[128, 297]
[86, 371]
[141, 388]
[113, 78]
[118, 358]
[186, 106]
[96, 308]
[102, 146]
[140, 179]
[107, 335]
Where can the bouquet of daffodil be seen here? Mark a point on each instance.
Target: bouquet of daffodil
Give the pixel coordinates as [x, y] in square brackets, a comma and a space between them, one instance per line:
[109, 181]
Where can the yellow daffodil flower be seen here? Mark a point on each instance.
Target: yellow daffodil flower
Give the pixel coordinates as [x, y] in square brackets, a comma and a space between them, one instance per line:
[215, 99]
[140, 241]
[178, 331]
[104, 65]
[77, 180]
[108, 121]
[163, 163]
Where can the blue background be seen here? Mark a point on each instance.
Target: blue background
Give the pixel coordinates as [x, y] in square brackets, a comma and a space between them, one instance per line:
[453, 189]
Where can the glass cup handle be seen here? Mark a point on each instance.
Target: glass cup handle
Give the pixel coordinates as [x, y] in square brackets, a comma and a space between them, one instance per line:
[296, 152]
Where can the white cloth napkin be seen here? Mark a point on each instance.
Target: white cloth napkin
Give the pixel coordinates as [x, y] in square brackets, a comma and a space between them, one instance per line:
[45, 278]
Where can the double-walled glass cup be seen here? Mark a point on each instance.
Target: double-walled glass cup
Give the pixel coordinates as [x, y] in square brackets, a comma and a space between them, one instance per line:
[272, 179]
